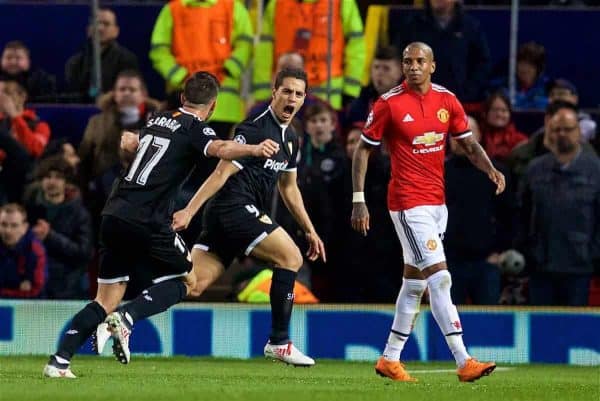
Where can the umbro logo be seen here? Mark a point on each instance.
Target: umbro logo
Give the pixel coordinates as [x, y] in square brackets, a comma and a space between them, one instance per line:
[408, 118]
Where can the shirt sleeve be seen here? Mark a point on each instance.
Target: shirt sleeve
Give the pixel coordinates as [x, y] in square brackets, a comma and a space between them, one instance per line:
[459, 122]
[246, 133]
[293, 162]
[377, 121]
[201, 135]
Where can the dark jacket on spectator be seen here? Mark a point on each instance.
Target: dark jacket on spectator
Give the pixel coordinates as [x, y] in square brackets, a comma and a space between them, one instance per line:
[15, 164]
[68, 244]
[479, 222]
[26, 261]
[78, 69]
[560, 222]
[461, 50]
[40, 85]
[359, 108]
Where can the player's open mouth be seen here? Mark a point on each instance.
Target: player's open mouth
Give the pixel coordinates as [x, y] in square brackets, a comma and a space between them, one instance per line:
[289, 109]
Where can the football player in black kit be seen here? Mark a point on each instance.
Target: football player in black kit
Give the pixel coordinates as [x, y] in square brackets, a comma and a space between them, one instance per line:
[136, 223]
[236, 221]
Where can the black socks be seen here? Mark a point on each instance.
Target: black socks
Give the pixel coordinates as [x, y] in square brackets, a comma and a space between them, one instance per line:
[82, 326]
[282, 301]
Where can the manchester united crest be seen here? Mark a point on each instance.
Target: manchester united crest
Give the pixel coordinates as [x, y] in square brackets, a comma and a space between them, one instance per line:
[431, 245]
[443, 115]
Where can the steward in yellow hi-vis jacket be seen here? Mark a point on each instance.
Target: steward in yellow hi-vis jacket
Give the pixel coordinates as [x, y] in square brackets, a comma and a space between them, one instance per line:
[302, 26]
[209, 35]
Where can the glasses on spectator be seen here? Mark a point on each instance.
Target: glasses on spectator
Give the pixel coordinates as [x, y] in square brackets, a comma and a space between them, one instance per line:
[566, 130]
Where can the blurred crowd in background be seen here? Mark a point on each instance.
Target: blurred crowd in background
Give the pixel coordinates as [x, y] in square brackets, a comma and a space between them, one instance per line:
[538, 243]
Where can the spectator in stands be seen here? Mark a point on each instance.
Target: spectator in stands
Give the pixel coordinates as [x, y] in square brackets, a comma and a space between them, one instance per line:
[302, 26]
[560, 205]
[16, 65]
[22, 123]
[321, 173]
[531, 80]
[561, 89]
[461, 50]
[499, 134]
[15, 164]
[219, 41]
[386, 73]
[65, 228]
[64, 148]
[22, 256]
[537, 145]
[480, 227]
[114, 58]
[127, 107]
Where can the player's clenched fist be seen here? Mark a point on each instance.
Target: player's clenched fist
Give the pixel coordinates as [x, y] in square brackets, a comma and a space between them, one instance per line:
[266, 148]
[360, 218]
[181, 220]
[130, 141]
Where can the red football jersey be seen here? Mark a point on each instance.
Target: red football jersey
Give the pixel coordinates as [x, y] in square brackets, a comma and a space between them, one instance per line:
[415, 129]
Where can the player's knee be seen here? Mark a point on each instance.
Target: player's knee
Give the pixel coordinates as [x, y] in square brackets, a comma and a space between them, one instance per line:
[108, 305]
[291, 260]
[440, 281]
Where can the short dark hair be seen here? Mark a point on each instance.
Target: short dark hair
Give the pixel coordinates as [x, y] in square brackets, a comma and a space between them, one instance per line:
[55, 163]
[500, 94]
[554, 107]
[131, 73]
[388, 53]
[14, 208]
[318, 108]
[534, 54]
[290, 73]
[201, 88]
[16, 45]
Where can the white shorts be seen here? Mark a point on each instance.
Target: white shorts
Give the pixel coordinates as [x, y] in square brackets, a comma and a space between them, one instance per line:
[420, 231]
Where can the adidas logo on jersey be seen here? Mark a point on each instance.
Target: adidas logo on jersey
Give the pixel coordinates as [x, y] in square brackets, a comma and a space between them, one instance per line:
[408, 118]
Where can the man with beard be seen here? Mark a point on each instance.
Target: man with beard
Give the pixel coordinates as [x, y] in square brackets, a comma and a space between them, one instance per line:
[560, 205]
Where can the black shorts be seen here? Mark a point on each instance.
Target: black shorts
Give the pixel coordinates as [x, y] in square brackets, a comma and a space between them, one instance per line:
[131, 249]
[232, 231]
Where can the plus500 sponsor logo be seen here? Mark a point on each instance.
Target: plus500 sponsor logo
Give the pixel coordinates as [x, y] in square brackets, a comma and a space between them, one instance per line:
[273, 165]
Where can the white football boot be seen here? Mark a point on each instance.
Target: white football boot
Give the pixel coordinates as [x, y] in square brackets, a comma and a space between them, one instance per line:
[120, 330]
[287, 353]
[54, 369]
[100, 337]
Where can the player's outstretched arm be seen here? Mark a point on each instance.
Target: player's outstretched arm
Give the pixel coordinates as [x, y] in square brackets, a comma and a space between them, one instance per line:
[290, 193]
[231, 150]
[480, 159]
[360, 163]
[214, 182]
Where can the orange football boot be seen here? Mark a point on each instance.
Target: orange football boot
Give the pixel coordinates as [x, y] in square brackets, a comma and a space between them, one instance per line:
[393, 370]
[474, 370]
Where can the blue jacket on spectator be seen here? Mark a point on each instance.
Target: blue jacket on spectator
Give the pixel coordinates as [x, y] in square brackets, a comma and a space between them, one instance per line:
[26, 261]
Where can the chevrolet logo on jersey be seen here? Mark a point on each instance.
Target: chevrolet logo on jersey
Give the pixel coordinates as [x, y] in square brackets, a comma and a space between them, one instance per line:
[428, 139]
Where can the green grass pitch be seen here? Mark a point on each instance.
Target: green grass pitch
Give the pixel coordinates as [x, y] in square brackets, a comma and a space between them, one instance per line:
[180, 378]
